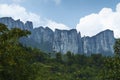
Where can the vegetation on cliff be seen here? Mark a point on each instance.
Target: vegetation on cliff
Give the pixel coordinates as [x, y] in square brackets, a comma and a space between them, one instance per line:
[18, 62]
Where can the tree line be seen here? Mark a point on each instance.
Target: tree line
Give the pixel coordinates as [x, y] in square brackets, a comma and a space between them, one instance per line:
[18, 62]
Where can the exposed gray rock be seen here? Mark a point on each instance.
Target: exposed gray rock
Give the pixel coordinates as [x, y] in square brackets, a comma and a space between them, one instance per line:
[63, 40]
[100, 43]
[44, 37]
[11, 23]
[66, 40]
[29, 25]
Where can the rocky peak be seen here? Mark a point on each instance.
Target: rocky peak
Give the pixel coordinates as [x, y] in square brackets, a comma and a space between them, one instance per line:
[101, 43]
[29, 25]
[66, 40]
[11, 23]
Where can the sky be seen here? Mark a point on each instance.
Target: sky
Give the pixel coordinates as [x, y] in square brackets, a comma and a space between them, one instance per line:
[87, 16]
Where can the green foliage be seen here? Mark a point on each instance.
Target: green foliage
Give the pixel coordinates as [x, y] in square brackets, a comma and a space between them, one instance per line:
[14, 59]
[111, 69]
[22, 63]
[59, 57]
[117, 47]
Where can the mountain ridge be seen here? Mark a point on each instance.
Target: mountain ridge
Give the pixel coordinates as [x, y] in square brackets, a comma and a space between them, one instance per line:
[64, 40]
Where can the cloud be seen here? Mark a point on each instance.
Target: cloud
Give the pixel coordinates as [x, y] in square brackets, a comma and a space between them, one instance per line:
[17, 1]
[57, 2]
[19, 12]
[54, 25]
[12, 1]
[96, 22]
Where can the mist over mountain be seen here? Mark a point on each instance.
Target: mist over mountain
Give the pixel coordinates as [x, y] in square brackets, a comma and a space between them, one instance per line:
[63, 40]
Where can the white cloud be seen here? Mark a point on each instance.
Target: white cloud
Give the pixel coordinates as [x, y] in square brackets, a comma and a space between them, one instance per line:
[57, 2]
[19, 12]
[54, 25]
[17, 1]
[96, 22]
[12, 1]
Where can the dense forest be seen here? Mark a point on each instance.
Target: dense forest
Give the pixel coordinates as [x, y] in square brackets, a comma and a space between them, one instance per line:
[18, 62]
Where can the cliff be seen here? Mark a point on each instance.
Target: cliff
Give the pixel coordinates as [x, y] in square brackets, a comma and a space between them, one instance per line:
[66, 40]
[101, 43]
[63, 40]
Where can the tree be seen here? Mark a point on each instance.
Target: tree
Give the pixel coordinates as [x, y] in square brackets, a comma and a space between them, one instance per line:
[59, 57]
[15, 61]
[97, 60]
[117, 47]
[111, 69]
[69, 58]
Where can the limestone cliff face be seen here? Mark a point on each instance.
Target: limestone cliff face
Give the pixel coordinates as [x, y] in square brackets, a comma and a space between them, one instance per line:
[66, 40]
[11, 23]
[63, 40]
[44, 37]
[101, 43]
[28, 25]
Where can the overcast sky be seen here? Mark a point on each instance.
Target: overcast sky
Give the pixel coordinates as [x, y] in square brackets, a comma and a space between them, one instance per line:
[87, 16]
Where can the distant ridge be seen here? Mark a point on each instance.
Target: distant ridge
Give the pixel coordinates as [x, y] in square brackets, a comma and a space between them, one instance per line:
[64, 40]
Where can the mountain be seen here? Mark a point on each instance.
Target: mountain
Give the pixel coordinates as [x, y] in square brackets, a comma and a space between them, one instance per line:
[66, 40]
[63, 40]
[11, 23]
[101, 43]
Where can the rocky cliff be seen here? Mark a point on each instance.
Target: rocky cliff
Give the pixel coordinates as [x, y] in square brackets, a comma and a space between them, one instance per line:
[11, 23]
[66, 40]
[44, 37]
[63, 40]
[101, 43]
